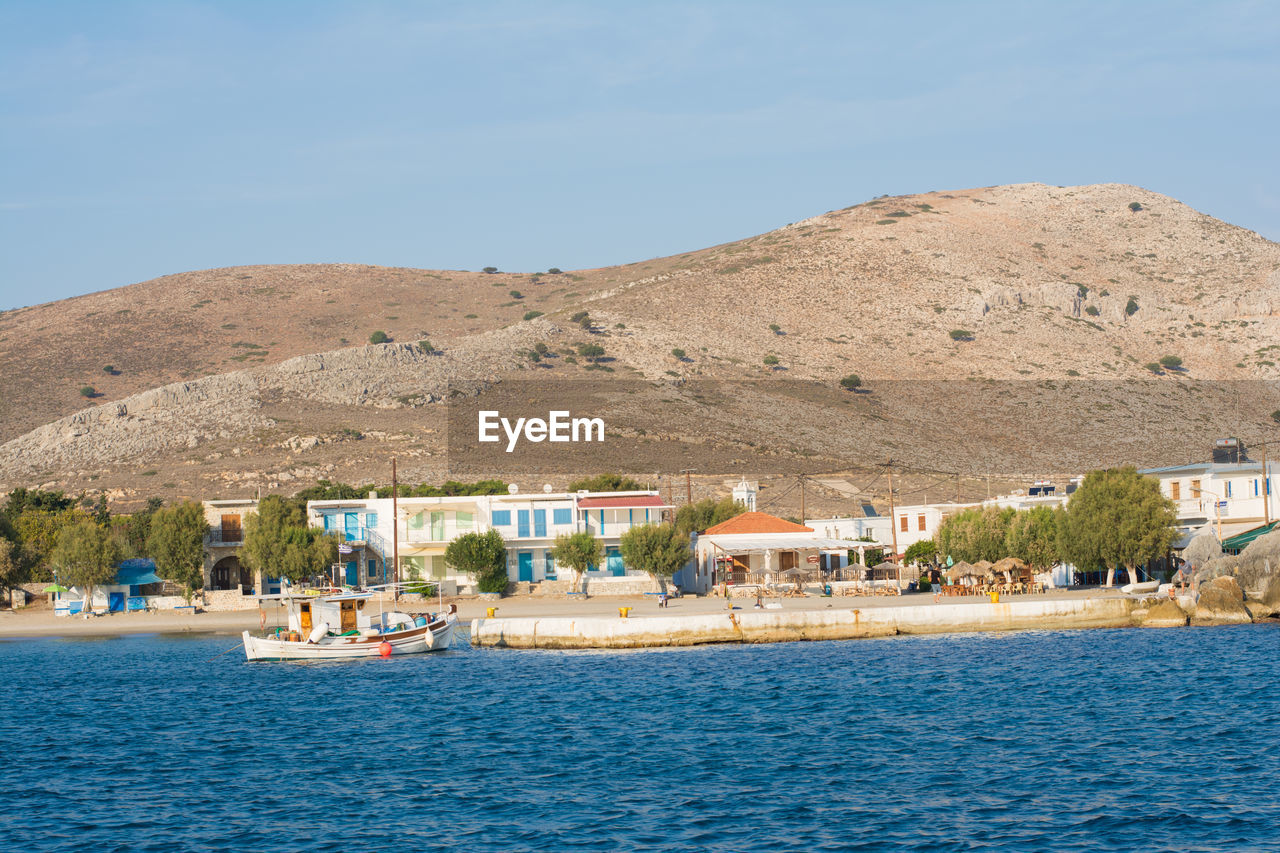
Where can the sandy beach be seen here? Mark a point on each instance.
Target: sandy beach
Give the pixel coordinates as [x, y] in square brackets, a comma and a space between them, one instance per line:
[40, 622]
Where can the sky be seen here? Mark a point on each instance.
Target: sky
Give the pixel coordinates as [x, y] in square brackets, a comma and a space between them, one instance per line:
[139, 139]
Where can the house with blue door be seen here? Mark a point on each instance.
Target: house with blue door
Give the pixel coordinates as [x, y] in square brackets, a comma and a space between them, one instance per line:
[529, 523]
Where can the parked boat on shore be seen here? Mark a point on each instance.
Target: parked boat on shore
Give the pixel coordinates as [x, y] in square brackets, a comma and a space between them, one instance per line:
[340, 625]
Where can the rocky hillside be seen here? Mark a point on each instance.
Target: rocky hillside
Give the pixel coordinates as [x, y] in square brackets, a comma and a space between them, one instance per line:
[263, 376]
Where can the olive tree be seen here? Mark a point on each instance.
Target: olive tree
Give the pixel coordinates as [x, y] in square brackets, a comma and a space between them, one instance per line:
[481, 555]
[656, 549]
[579, 552]
[278, 542]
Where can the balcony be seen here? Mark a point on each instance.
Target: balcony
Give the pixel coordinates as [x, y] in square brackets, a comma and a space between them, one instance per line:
[221, 538]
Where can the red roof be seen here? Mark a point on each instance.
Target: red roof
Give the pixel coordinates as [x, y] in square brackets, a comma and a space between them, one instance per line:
[630, 501]
[757, 522]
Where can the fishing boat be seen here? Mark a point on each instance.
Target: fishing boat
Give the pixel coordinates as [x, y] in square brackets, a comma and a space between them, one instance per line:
[339, 624]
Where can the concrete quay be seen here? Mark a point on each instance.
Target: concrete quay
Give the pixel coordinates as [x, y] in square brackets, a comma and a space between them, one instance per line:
[772, 626]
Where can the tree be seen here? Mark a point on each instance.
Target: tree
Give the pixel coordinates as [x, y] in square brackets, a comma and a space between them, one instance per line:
[134, 529]
[1171, 362]
[554, 271]
[852, 382]
[425, 347]
[591, 352]
[88, 391]
[515, 294]
[775, 328]
[975, 534]
[11, 568]
[924, 551]
[532, 315]
[278, 542]
[481, 555]
[1135, 206]
[771, 360]
[708, 512]
[36, 532]
[659, 550]
[605, 483]
[578, 552]
[1118, 517]
[1131, 307]
[1275, 416]
[1032, 537]
[86, 555]
[961, 335]
[379, 337]
[1154, 367]
[678, 353]
[176, 543]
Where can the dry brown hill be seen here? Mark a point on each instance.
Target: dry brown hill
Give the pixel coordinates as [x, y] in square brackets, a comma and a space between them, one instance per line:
[1051, 283]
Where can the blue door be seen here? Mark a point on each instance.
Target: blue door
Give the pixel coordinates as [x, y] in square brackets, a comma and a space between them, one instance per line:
[372, 572]
[613, 563]
[525, 562]
[352, 523]
[353, 573]
[115, 602]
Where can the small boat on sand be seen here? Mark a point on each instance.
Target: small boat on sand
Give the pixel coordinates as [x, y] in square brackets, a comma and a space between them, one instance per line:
[339, 624]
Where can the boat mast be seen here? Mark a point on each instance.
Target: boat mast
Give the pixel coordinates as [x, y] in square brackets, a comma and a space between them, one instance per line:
[395, 534]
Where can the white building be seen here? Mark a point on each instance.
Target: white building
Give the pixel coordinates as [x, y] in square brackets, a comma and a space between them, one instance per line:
[529, 523]
[1223, 498]
[907, 526]
[762, 545]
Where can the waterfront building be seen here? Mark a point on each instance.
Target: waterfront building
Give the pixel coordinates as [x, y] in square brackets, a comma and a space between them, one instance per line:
[223, 571]
[761, 545]
[1225, 498]
[529, 523]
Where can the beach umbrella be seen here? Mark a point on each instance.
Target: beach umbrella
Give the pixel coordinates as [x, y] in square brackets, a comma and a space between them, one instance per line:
[1008, 566]
[56, 588]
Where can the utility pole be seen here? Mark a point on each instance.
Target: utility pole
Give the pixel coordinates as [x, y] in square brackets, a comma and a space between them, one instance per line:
[802, 498]
[893, 522]
[395, 533]
[688, 484]
[1266, 488]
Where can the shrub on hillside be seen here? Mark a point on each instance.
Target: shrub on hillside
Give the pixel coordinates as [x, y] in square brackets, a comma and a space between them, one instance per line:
[678, 353]
[1170, 362]
[852, 382]
[379, 337]
[1131, 307]
[88, 391]
[529, 315]
[961, 335]
[490, 270]
[771, 360]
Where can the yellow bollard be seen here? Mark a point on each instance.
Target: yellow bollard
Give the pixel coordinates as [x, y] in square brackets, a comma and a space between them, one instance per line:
[995, 596]
[489, 611]
[624, 612]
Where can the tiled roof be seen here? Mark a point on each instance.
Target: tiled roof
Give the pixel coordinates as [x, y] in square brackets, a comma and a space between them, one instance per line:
[757, 522]
[631, 501]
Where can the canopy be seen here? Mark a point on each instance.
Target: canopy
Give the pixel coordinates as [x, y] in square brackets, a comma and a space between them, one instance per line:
[137, 572]
[1008, 564]
[1240, 540]
[739, 544]
[56, 588]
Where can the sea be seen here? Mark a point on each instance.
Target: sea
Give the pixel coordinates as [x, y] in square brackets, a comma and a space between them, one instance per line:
[1071, 740]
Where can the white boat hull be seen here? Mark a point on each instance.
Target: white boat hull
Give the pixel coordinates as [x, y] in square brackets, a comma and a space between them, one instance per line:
[435, 636]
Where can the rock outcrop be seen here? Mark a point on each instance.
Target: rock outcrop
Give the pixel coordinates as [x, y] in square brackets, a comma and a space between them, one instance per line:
[1162, 613]
[1220, 603]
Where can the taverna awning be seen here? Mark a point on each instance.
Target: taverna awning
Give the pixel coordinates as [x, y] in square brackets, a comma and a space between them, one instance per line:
[737, 544]
[137, 572]
[1240, 540]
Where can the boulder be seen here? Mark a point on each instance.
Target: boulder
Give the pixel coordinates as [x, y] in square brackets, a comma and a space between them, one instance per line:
[1220, 603]
[1164, 613]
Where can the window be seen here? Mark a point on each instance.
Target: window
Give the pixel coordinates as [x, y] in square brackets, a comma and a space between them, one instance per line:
[417, 521]
[562, 515]
[522, 523]
[1195, 488]
[437, 526]
[1255, 488]
[539, 522]
[1227, 492]
[370, 519]
[464, 520]
[413, 568]
[548, 564]
[502, 518]
[1175, 490]
[437, 566]
[904, 524]
[920, 522]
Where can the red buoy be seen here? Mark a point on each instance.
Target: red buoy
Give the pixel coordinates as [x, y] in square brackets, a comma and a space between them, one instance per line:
[384, 649]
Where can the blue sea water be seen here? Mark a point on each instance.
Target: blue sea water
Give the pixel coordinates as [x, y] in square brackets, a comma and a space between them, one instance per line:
[1097, 740]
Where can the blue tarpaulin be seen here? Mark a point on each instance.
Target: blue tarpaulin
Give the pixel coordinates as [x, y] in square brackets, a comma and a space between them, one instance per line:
[137, 572]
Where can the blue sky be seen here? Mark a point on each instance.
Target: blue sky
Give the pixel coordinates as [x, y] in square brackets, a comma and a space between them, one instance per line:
[139, 139]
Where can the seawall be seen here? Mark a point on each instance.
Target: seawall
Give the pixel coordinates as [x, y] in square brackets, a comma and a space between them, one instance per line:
[772, 626]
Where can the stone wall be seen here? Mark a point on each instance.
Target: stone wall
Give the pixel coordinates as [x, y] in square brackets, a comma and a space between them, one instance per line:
[226, 599]
[599, 587]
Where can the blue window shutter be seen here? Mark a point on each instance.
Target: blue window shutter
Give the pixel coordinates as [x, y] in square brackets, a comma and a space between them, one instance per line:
[502, 518]
[562, 515]
[522, 522]
[539, 522]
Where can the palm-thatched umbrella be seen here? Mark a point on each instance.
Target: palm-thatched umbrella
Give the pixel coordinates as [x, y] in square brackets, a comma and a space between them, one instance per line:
[854, 571]
[1008, 566]
[985, 565]
[962, 569]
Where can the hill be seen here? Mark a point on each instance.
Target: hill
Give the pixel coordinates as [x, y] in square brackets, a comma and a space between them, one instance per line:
[263, 375]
